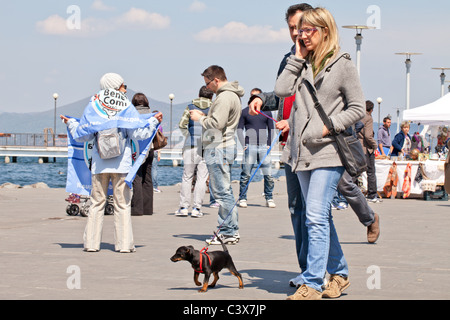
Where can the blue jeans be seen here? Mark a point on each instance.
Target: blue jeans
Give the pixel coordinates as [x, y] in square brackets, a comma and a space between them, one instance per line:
[253, 155]
[219, 163]
[324, 250]
[297, 209]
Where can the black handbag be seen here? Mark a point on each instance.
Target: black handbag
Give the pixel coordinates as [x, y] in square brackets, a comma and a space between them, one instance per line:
[350, 149]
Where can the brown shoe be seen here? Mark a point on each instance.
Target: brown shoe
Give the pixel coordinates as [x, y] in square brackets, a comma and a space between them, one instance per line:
[335, 286]
[373, 231]
[305, 293]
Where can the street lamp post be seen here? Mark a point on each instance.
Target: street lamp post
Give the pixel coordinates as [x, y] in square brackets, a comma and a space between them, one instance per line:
[171, 97]
[358, 39]
[442, 79]
[408, 75]
[55, 96]
[379, 100]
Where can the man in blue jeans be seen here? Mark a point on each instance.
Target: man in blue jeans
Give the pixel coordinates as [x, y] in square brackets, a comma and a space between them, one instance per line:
[256, 141]
[219, 146]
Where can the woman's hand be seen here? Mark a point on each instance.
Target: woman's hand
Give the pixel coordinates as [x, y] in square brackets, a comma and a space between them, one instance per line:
[325, 131]
[64, 119]
[159, 117]
[300, 50]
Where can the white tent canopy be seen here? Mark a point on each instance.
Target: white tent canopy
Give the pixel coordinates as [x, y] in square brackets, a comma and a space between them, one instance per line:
[433, 114]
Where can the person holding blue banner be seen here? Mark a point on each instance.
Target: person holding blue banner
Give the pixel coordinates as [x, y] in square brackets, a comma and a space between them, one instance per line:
[110, 111]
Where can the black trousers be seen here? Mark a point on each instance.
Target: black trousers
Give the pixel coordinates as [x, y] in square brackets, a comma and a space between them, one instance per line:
[142, 200]
[371, 176]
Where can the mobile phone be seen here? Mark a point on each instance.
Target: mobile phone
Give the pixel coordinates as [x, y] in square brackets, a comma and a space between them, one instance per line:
[302, 44]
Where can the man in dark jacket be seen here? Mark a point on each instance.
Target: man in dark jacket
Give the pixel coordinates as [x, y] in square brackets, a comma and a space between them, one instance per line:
[366, 137]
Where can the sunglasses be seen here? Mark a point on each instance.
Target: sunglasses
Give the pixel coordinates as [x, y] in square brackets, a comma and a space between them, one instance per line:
[306, 31]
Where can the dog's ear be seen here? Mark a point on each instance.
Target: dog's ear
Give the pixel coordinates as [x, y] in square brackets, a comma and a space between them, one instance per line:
[191, 248]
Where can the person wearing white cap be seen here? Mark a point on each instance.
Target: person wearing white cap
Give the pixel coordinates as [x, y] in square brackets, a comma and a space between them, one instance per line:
[115, 170]
[111, 81]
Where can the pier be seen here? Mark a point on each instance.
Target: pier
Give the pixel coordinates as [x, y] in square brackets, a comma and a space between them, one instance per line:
[45, 146]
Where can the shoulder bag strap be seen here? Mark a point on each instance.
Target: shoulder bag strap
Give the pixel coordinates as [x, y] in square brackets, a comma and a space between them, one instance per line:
[320, 110]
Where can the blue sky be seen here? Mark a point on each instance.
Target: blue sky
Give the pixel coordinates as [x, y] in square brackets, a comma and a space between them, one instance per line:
[162, 47]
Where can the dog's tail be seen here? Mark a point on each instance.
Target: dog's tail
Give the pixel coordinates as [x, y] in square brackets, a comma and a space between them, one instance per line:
[225, 249]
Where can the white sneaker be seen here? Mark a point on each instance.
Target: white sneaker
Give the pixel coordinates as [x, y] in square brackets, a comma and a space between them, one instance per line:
[270, 203]
[196, 213]
[225, 239]
[182, 212]
[243, 203]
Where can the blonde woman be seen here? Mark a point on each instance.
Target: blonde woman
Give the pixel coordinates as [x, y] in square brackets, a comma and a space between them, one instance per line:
[402, 141]
[312, 150]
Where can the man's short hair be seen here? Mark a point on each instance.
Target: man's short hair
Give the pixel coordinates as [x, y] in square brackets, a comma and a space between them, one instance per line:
[292, 10]
[369, 105]
[256, 89]
[205, 93]
[387, 118]
[213, 72]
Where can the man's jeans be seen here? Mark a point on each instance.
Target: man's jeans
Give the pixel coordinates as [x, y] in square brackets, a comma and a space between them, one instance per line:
[219, 163]
[356, 200]
[253, 155]
[324, 250]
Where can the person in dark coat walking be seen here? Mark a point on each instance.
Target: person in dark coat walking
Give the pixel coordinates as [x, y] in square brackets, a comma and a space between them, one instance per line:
[142, 201]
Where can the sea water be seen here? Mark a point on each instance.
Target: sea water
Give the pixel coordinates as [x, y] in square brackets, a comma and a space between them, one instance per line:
[28, 171]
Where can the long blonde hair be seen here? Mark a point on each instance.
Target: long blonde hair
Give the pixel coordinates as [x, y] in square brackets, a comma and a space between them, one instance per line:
[323, 20]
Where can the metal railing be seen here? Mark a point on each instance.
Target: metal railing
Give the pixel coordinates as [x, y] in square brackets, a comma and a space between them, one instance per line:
[33, 140]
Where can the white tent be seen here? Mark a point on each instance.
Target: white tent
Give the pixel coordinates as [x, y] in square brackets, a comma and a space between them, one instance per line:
[433, 114]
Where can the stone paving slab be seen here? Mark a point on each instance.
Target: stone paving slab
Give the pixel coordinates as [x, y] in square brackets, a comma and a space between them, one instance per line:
[41, 251]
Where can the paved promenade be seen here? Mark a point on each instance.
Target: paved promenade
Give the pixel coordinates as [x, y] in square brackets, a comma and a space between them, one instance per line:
[42, 257]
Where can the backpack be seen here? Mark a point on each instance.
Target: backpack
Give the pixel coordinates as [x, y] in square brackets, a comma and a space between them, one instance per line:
[110, 143]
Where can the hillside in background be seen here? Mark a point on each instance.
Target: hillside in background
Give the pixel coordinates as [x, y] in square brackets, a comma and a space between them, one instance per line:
[36, 122]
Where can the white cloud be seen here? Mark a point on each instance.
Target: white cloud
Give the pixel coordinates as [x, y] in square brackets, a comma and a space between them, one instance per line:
[197, 6]
[238, 32]
[141, 18]
[54, 25]
[94, 27]
[100, 6]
